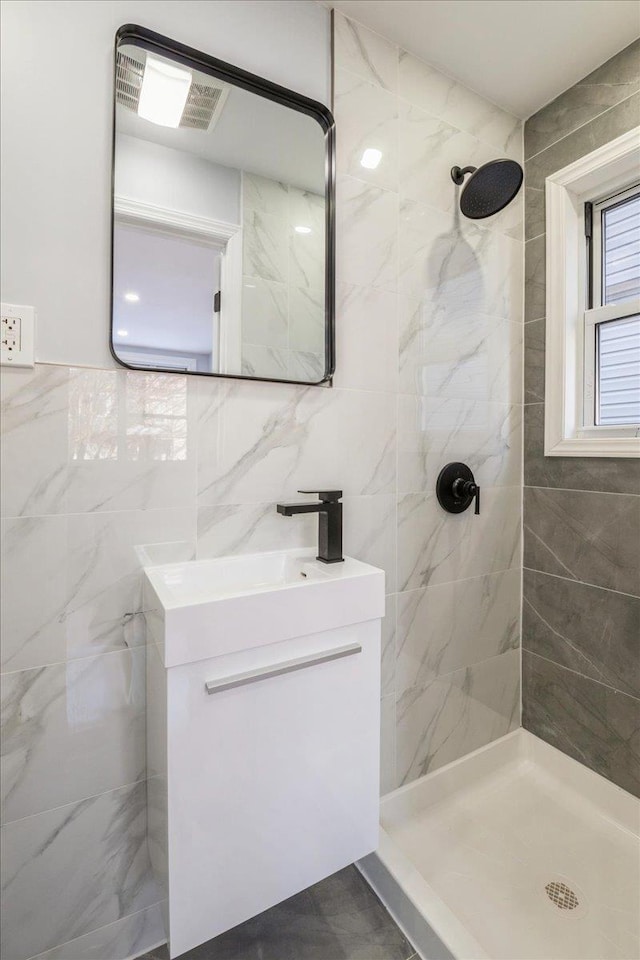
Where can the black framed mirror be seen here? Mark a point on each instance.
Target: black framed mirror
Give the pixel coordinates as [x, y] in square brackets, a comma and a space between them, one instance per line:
[223, 234]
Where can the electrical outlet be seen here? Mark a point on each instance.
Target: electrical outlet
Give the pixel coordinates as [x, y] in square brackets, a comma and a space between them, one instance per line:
[18, 335]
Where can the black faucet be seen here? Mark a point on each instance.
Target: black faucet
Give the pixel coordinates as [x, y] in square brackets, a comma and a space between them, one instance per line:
[329, 510]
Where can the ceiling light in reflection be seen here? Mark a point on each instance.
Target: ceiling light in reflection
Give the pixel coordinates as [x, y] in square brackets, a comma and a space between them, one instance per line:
[131, 297]
[371, 158]
[164, 92]
[122, 333]
[303, 229]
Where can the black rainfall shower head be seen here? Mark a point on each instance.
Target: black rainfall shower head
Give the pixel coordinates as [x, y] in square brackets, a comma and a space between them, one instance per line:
[489, 188]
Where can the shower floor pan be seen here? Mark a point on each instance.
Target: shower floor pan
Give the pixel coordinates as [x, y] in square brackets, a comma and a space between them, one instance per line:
[515, 852]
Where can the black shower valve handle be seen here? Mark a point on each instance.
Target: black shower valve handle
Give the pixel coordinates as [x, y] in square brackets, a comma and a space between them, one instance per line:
[465, 490]
[456, 488]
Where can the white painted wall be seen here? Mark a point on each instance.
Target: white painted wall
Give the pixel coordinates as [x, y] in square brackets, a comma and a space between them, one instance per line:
[180, 181]
[56, 116]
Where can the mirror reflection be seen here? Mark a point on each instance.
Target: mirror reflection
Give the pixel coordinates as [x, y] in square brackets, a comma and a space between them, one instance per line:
[219, 234]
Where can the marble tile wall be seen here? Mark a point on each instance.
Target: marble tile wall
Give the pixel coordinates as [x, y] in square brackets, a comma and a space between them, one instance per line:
[581, 603]
[95, 464]
[283, 315]
[105, 467]
[430, 308]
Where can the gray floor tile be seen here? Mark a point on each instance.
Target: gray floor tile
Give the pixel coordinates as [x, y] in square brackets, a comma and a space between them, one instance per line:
[339, 918]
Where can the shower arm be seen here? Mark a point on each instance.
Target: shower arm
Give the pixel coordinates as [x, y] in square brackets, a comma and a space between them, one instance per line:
[459, 173]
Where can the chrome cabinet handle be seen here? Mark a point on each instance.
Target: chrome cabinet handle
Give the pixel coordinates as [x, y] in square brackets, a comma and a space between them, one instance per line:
[286, 666]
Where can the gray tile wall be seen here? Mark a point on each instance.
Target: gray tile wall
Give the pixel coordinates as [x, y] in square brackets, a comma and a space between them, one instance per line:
[581, 587]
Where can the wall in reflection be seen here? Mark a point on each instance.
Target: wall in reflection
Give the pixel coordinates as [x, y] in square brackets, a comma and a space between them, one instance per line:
[283, 308]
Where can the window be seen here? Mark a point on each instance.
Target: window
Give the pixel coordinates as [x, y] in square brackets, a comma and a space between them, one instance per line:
[592, 392]
[612, 314]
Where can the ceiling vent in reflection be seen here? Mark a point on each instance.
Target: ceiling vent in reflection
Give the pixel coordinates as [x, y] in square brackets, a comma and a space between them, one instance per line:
[204, 103]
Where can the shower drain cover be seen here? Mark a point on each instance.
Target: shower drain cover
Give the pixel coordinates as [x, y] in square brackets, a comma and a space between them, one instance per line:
[562, 895]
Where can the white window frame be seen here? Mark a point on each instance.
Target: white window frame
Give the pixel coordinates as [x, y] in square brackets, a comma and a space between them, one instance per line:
[606, 170]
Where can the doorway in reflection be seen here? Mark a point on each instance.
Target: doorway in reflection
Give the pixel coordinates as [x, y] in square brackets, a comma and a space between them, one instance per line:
[166, 298]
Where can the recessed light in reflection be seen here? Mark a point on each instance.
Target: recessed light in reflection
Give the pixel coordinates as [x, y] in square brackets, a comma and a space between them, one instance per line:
[371, 158]
[303, 229]
[131, 297]
[122, 333]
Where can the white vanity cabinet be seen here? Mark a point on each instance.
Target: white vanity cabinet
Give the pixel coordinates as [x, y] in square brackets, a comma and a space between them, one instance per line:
[263, 763]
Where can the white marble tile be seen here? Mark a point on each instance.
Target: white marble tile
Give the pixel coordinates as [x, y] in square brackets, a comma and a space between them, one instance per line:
[453, 625]
[261, 361]
[265, 317]
[307, 263]
[265, 246]
[306, 367]
[366, 338]
[387, 745]
[33, 446]
[428, 148]
[425, 87]
[307, 209]
[130, 441]
[73, 870]
[366, 234]
[437, 547]
[264, 195]
[453, 714]
[433, 432]
[307, 332]
[64, 731]
[457, 353]
[284, 284]
[388, 646]
[366, 119]
[251, 528]
[86, 572]
[446, 259]
[365, 53]
[369, 533]
[262, 442]
[130, 937]
[34, 564]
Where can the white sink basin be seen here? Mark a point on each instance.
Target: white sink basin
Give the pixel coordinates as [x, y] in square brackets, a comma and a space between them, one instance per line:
[207, 608]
